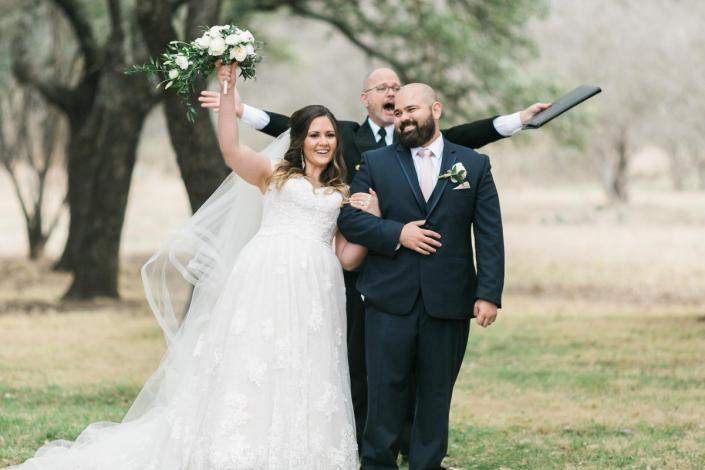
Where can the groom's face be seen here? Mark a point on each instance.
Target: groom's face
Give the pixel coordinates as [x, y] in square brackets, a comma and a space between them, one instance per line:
[417, 127]
[416, 116]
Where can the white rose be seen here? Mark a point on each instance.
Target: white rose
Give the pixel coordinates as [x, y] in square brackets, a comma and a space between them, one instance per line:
[217, 46]
[247, 35]
[239, 53]
[182, 61]
[203, 42]
[173, 73]
[214, 32]
[232, 39]
[250, 49]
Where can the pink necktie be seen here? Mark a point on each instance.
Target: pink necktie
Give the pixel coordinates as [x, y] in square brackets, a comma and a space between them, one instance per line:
[427, 178]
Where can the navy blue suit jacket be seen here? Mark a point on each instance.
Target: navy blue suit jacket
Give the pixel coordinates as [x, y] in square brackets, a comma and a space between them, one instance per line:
[391, 278]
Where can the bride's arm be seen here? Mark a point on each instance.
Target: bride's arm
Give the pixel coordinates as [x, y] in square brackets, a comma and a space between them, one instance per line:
[351, 255]
[251, 166]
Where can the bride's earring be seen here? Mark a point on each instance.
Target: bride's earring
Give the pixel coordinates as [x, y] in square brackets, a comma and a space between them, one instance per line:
[303, 161]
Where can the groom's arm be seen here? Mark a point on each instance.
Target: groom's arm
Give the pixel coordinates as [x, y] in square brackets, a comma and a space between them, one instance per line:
[489, 241]
[365, 229]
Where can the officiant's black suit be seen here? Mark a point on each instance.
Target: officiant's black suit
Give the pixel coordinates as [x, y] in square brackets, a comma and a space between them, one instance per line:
[357, 139]
[418, 307]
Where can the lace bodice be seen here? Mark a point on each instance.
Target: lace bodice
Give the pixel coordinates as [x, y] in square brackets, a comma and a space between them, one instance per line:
[302, 211]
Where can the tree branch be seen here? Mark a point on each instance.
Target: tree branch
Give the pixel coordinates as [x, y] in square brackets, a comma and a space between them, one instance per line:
[116, 19]
[348, 32]
[18, 192]
[55, 93]
[84, 33]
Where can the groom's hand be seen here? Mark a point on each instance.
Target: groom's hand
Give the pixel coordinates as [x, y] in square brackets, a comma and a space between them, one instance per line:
[485, 313]
[420, 240]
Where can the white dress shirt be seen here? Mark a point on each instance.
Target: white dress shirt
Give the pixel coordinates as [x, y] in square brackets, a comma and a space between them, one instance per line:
[437, 148]
[389, 138]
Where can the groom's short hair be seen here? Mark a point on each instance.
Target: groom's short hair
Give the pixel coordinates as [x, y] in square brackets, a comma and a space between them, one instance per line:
[427, 93]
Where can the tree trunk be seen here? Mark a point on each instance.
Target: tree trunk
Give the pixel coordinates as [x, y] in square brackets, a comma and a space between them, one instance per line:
[105, 151]
[618, 184]
[678, 167]
[700, 166]
[196, 144]
[36, 238]
[80, 169]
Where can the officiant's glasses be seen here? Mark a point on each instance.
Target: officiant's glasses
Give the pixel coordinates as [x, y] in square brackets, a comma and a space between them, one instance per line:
[384, 88]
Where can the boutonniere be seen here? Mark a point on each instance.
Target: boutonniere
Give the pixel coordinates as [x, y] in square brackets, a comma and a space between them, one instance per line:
[357, 167]
[456, 174]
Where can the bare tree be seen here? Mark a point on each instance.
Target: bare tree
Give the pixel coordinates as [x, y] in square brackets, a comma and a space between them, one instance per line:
[105, 111]
[650, 81]
[31, 140]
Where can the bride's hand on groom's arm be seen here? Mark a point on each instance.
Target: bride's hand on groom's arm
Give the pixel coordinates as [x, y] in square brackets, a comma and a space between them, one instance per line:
[366, 202]
[485, 313]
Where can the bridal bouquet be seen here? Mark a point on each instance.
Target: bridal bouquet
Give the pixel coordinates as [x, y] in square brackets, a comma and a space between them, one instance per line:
[185, 62]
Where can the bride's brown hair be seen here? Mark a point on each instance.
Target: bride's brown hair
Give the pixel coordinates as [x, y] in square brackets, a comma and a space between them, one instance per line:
[333, 176]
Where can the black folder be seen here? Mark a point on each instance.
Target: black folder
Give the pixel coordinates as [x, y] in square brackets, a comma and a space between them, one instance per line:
[562, 104]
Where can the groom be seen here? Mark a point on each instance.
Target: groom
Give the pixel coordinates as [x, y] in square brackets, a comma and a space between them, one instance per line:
[419, 282]
[377, 130]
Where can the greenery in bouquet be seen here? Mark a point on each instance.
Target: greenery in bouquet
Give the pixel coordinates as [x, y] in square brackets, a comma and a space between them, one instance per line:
[184, 63]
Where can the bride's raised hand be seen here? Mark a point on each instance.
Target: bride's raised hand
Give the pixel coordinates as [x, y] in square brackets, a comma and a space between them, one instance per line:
[226, 75]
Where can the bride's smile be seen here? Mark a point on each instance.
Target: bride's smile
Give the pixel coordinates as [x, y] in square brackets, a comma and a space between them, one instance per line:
[320, 144]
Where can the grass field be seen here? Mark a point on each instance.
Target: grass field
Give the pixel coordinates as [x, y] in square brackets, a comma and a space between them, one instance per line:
[596, 361]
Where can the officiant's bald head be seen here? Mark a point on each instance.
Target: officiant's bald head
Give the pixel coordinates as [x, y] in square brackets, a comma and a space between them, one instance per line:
[378, 91]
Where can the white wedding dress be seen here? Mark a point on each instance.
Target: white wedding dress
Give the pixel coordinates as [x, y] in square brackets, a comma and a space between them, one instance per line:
[258, 382]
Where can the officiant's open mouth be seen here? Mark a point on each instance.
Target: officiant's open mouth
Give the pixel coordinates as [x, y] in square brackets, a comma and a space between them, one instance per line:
[388, 109]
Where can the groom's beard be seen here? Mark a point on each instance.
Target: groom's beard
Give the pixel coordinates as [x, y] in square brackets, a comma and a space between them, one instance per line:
[419, 136]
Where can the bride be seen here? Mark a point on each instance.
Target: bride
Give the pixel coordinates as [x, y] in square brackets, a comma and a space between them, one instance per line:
[255, 376]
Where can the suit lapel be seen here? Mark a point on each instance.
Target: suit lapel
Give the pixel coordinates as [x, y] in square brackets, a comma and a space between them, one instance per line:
[364, 140]
[407, 167]
[446, 163]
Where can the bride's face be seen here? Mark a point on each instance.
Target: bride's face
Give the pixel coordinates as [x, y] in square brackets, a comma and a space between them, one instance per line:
[320, 143]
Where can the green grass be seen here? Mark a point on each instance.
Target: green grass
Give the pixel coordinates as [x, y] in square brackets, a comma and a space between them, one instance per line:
[590, 446]
[537, 391]
[29, 417]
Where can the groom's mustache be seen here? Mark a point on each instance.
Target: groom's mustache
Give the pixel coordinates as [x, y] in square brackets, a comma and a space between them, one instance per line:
[404, 124]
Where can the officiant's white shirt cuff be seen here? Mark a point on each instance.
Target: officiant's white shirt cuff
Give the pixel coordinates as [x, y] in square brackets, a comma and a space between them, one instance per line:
[507, 125]
[256, 118]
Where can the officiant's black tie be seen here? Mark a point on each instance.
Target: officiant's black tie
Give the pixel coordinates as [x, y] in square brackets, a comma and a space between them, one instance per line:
[382, 133]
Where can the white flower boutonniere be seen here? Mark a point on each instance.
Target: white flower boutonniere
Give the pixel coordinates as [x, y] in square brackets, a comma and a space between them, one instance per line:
[456, 174]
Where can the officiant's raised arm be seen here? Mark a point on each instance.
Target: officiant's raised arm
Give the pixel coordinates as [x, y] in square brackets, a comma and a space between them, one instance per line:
[474, 134]
[251, 166]
[265, 121]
